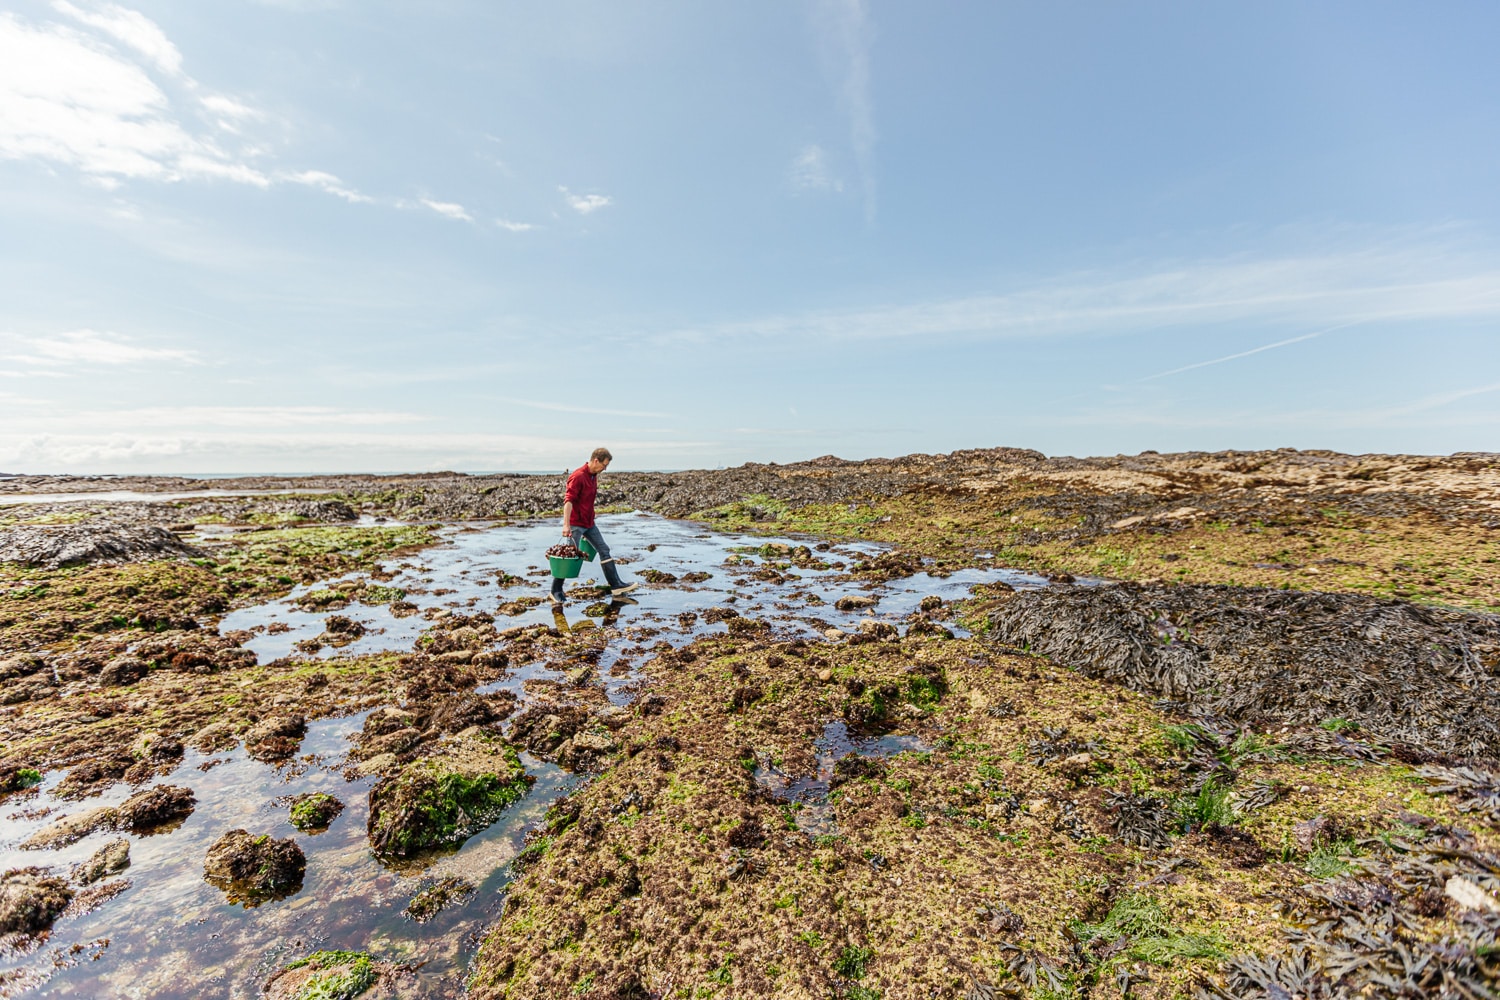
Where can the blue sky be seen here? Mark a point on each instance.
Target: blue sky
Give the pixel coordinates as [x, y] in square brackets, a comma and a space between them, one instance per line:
[294, 235]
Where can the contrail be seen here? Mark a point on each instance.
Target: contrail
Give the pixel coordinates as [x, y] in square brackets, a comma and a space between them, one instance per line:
[1246, 354]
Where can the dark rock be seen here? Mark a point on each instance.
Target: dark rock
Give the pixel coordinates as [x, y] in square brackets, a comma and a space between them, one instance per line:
[855, 603]
[122, 670]
[1265, 657]
[250, 869]
[852, 766]
[54, 546]
[155, 807]
[387, 720]
[276, 737]
[454, 715]
[30, 899]
[20, 665]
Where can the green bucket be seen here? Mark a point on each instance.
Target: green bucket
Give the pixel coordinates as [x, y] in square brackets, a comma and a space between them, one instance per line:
[564, 568]
[589, 552]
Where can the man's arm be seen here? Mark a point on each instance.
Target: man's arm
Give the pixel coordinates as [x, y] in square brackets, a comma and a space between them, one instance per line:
[567, 517]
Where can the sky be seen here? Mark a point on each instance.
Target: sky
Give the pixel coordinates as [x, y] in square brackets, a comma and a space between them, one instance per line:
[384, 235]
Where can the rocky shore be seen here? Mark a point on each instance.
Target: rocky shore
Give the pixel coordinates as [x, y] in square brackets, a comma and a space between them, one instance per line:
[1245, 744]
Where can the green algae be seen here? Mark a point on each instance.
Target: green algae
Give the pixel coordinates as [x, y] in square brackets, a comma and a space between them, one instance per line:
[442, 800]
[345, 975]
[314, 812]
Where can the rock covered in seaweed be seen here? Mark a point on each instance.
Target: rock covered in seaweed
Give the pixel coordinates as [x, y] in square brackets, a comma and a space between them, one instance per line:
[340, 975]
[1277, 656]
[313, 811]
[30, 899]
[154, 807]
[252, 868]
[447, 796]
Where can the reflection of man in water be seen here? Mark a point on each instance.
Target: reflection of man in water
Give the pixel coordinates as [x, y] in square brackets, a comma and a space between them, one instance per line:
[578, 522]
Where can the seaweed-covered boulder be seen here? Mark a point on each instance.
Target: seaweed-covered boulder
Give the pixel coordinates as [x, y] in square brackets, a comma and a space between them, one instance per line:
[544, 726]
[459, 712]
[342, 975]
[20, 665]
[155, 807]
[446, 797]
[16, 777]
[30, 899]
[311, 812]
[432, 898]
[276, 737]
[56, 545]
[251, 869]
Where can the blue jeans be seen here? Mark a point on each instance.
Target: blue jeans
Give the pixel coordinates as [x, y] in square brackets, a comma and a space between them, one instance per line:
[606, 561]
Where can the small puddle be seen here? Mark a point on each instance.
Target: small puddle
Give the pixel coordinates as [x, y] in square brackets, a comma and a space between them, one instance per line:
[808, 794]
[172, 935]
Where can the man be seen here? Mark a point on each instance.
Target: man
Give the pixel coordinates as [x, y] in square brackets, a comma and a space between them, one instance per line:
[578, 522]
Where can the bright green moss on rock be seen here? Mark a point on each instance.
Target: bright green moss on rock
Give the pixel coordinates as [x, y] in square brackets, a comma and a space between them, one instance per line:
[447, 797]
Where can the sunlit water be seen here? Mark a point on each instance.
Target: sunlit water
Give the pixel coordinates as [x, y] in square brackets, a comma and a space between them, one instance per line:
[171, 934]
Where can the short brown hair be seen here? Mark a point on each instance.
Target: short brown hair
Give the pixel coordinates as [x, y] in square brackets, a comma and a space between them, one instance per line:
[601, 455]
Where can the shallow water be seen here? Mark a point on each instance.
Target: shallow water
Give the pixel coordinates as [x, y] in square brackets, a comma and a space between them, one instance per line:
[171, 934]
[809, 793]
[136, 496]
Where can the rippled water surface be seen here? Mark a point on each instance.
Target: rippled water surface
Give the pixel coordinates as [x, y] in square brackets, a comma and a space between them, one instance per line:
[171, 934]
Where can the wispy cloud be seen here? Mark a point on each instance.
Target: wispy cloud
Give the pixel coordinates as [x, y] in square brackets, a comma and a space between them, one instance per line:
[515, 227]
[585, 204]
[325, 182]
[448, 209]
[105, 92]
[89, 347]
[131, 28]
[242, 416]
[847, 37]
[70, 98]
[1418, 280]
[568, 408]
[809, 171]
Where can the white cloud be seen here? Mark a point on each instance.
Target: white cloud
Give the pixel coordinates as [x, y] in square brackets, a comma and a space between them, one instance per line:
[584, 204]
[39, 450]
[449, 209]
[228, 107]
[88, 347]
[131, 28]
[325, 182]
[240, 416]
[809, 171]
[846, 37]
[68, 98]
[515, 227]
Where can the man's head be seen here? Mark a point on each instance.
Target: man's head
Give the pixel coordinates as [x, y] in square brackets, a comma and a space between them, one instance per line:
[599, 460]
